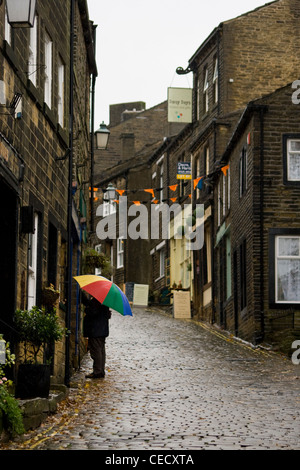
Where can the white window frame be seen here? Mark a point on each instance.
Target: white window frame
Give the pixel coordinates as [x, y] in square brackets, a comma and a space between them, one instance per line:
[216, 81]
[48, 71]
[120, 252]
[98, 248]
[61, 92]
[32, 264]
[109, 208]
[32, 56]
[7, 29]
[162, 262]
[289, 154]
[205, 91]
[278, 258]
[207, 160]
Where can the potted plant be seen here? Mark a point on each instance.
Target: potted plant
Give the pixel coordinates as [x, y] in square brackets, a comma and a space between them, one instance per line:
[93, 260]
[36, 329]
[12, 419]
[49, 297]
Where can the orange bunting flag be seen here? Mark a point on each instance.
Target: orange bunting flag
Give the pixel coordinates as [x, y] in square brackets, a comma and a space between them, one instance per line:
[173, 199]
[137, 203]
[116, 201]
[155, 201]
[190, 196]
[196, 181]
[151, 191]
[173, 187]
[120, 191]
[224, 169]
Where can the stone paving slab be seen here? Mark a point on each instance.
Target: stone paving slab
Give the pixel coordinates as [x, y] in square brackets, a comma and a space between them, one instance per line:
[175, 384]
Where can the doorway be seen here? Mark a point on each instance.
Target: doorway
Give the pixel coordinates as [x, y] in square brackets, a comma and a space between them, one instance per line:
[8, 241]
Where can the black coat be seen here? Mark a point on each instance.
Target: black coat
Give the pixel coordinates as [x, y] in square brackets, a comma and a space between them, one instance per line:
[95, 322]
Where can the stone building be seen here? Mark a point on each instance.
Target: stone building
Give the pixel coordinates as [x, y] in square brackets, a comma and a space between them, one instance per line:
[125, 164]
[238, 62]
[258, 226]
[44, 161]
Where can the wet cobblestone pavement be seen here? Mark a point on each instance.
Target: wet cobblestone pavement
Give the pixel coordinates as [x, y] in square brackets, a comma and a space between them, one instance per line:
[176, 384]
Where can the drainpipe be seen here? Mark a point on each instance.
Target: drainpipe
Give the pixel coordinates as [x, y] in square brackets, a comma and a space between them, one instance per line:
[70, 198]
[212, 228]
[92, 140]
[261, 179]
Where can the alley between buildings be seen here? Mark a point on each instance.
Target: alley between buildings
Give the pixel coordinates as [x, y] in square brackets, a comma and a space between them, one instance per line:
[176, 384]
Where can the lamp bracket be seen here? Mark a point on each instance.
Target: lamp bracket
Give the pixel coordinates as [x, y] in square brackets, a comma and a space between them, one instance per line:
[12, 105]
[64, 157]
[182, 71]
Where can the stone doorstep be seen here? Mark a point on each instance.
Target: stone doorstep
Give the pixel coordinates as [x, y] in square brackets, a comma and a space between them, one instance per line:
[36, 410]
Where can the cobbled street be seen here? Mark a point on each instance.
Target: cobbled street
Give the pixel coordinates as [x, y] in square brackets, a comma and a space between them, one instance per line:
[176, 384]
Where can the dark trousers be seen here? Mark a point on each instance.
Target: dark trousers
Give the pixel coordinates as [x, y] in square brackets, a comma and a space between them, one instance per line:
[97, 352]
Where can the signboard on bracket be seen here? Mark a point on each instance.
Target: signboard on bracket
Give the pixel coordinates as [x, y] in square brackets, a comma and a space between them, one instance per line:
[180, 105]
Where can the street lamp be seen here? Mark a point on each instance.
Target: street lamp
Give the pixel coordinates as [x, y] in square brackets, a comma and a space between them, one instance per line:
[21, 14]
[110, 192]
[102, 136]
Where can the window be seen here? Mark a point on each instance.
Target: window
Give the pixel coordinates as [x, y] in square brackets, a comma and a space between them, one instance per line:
[216, 81]
[243, 171]
[206, 156]
[219, 202]
[98, 248]
[205, 90]
[161, 182]
[162, 257]
[120, 253]
[199, 94]
[109, 208]
[197, 176]
[287, 281]
[228, 188]
[48, 71]
[32, 57]
[52, 254]
[243, 275]
[61, 92]
[7, 29]
[32, 264]
[293, 160]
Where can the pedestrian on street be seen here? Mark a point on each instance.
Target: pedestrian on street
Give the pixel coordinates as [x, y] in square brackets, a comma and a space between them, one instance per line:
[96, 329]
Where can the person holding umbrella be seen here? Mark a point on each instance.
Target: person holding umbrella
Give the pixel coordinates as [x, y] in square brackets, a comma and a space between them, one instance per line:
[96, 329]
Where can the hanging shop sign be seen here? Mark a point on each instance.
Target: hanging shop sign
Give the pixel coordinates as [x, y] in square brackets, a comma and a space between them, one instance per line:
[180, 105]
[184, 171]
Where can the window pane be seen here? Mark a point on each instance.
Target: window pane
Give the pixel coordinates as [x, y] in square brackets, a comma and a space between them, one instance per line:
[294, 145]
[294, 166]
[288, 247]
[288, 280]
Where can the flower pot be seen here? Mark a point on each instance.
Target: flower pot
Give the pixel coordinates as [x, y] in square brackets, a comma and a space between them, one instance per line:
[33, 380]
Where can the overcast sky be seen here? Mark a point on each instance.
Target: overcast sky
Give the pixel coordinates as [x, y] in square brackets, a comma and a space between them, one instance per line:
[141, 43]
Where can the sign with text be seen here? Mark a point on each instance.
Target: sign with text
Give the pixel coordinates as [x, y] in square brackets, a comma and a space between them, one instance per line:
[184, 171]
[181, 304]
[140, 295]
[180, 105]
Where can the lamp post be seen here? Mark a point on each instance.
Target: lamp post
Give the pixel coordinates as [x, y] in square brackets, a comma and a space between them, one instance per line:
[21, 14]
[102, 137]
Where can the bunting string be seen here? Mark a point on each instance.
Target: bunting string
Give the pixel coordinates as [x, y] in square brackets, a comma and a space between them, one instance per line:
[197, 184]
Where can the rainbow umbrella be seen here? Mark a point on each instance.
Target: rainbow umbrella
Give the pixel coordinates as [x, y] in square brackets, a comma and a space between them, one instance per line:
[106, 292]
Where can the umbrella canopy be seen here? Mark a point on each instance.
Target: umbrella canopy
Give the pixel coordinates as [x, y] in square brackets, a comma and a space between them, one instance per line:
[106, 292]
